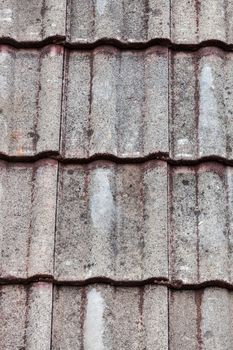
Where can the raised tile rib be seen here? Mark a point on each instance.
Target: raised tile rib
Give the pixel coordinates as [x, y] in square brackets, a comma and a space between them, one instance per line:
[25, 316]
[111, 222]
[30, 99]
[201, 319]
[120, 107]
[27, 220]
[32, 21]
[105, 317]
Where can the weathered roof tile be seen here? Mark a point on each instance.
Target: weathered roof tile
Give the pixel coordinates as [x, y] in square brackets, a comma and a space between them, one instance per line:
[30, 98]
[126, 20]
[201, 223]
[121, 105]
[31, 21]
[27, 220]
[101, 316]
[197, 21]
[201, 120]
[112, 221]
[201, 319]
[25, 316]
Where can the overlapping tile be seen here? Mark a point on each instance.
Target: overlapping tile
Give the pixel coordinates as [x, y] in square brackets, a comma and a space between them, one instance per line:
[32, 21]
[111, 222]
[25, 316]
[30, 99]
[194, 21]
[201, 319]
[27, 220]
[104, 317]
[126, 21]
[201, 118]
[120, 106]
[201, 202]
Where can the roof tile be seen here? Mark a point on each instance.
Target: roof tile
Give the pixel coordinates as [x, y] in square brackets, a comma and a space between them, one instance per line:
[201, 121]
[25, 316]
[34, 20]
[121, 105]
[201, 319]
[30, 97]
[101, 316]
[201, 223]
[126, 20]
[197, 21]
[28, 199]
[112, 221]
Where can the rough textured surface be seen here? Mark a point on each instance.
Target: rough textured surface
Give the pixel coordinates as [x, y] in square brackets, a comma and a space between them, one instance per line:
[123, 239]
[112, 221]
[196, 21]
[30, 100]
[25, 316]
[201, 119]
[121, 106]
[32, 20]
[104, 317]
[27, 220]
[201, 223]
[125, 20]
[201, 319]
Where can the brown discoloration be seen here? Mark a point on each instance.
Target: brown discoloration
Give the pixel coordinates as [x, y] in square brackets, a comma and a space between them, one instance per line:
[198, 302]
[197, 226]
[82, 315]
[90, 98]
[197, 102]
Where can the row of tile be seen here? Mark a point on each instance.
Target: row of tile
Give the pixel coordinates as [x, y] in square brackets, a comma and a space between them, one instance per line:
[87, 21]
[99, 317]
[117, 221]
[128, 104]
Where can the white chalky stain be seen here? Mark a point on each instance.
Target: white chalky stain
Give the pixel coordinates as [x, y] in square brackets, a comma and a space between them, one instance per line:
[100, 6]
[101, 202]
[94, 321]
[6, 15]
[209, 125]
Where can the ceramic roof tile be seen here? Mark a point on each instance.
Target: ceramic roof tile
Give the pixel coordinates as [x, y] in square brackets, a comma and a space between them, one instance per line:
[25, 316]
[31, 21]
[30, 97]
[197, 21]
[27, 220]
[112, 221]
[201, 319]
[127, 21]
[201, 120]
[121, 106]
[201, 223]
[105, 317]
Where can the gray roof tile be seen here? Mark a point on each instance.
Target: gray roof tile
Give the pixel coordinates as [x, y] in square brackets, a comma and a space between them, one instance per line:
[201, 202]
[112, 221]
[25, 316]
[125, 20]
[27, 220]
[34, 20]
[104, 317]
[201, 319]
[201, 121]
[196, 21]
[121, 105]
[30, 98]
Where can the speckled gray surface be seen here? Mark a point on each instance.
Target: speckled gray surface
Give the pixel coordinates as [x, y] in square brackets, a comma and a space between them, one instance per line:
[116, 175]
